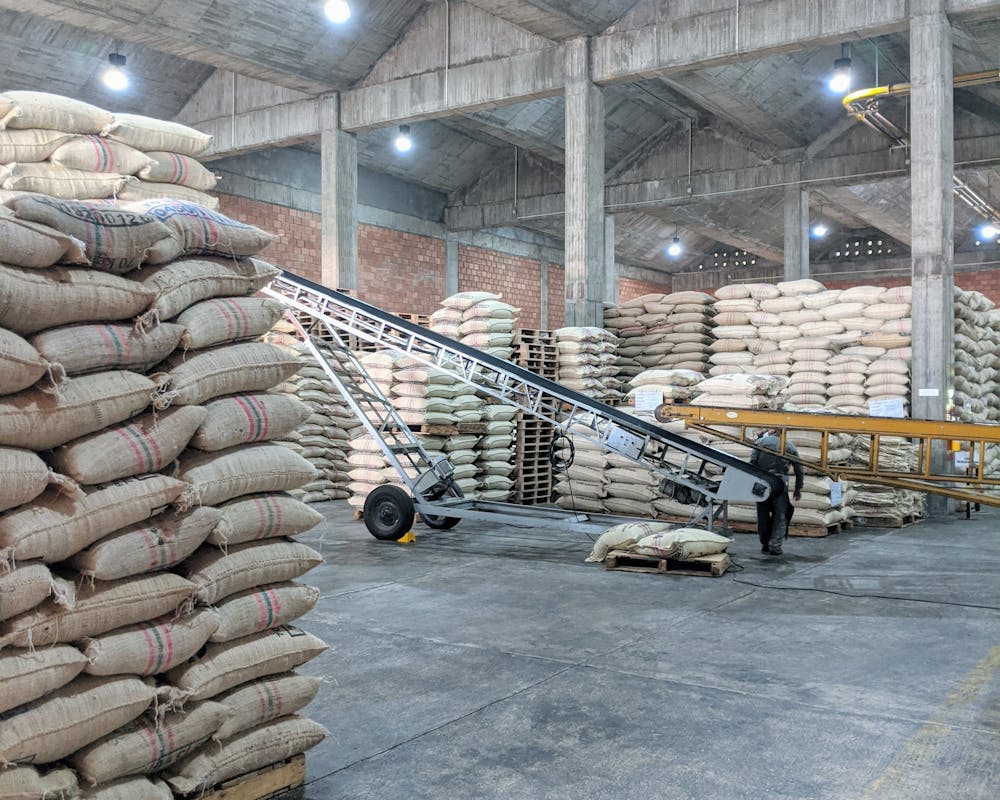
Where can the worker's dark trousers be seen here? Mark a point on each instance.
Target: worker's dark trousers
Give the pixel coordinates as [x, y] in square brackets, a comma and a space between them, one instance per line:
[772, 519]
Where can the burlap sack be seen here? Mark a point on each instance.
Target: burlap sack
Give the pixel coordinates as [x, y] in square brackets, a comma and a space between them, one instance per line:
[256, 748]
[218, 573]
[146, 443]
[147, 746]
[70, 184]
[33, 245]
[140, 191]
[79, 349]
[263, 516]
[263, 700]
[23, 476]
[228, 319]
[31, 301]
[56, 526]
[28, 146]
[158, 543]
[224, 666]
[26, 783]
[98, 154]
[53, 112]
[246, 418]
[199, 231]
[149, 648]
[98, 609]
[40, 420]
[180, 169]
[117, 240]
[20, 364]
[23, 587]
[261, 608]
[188, 280]
[228, 369]
[152, 135]
[131, 788]
[249, 469]
[72, 717]
[27, 675]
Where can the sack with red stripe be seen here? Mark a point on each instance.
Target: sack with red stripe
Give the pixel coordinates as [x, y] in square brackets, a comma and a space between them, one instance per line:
[149, 134]
[218, 574]
[262, 608]
[58, 182]
[249, 469]
[149, 648]
[199, 231]
[228, 369]
[247, 418]
[262, 516]
[228, 319]
[180, 169]
[115, 239]
[97, 154]
[184, 282]
[149, 745]
[143, 444]
[79, 349]
[158, 543]
[26, 675]
[263, 700]
[229, 664]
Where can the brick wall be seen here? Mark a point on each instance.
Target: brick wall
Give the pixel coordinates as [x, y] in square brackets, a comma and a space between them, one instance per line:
[557, 296]
[629, 288]
[400, 272]
[517, 279]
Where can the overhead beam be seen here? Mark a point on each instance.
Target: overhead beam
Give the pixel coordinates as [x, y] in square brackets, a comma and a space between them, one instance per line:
[878, 206]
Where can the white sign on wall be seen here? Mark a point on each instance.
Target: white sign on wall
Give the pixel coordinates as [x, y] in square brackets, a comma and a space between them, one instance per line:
[887, 408]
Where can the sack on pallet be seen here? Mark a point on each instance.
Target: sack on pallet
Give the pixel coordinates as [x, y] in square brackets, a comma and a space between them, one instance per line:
[26, 675]
[135, 787]
[186, 281]
[98, 609]
[145, 444]
[258, 747]
[226, 665]
[681, 544]
[218, 573]
[199, 231]
[248, 469]
[263, 700]
[72, 717]
[262, 607]
[28, 146]
[149, 648]
[263, 516]
[158, 543]
[79, 349]
[244, 419]
[56, 526]
[97, 154]
[622, 536]
[148, 746]
[31, 301]
[228, 369]
[151, 135]
[30, 244]
[228, 319]
[27, 783]
[23, 587]
[23, 110]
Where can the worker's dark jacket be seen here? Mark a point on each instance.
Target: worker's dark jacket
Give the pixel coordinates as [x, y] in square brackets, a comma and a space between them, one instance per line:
[775, 464]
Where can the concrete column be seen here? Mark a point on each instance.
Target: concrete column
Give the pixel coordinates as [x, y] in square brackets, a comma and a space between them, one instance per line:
[932, 216]
[796, 232]
[339, 225]
[450, 265]
[610, 265]
[543, 276]
[585, 254]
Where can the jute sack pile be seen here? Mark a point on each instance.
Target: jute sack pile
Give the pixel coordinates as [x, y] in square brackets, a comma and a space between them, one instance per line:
[588, 362]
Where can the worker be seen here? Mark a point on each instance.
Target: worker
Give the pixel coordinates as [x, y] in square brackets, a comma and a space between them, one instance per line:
[774, 514]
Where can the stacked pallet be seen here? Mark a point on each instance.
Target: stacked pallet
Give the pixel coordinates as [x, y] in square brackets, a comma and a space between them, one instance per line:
[139, 393]
[533, 479]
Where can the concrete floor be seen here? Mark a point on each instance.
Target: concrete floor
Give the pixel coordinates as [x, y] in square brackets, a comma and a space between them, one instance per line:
[493, 663]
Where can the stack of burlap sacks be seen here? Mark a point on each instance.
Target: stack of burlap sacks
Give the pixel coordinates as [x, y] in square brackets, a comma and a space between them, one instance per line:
[145, 595]
[588, 362]
[53, 145]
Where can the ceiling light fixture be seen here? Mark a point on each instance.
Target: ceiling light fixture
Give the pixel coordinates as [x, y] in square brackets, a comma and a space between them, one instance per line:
[820, 230]
[675, 248]
[404, 142]
[337, 11]
[989, 231]
[114, 76]
[840, 80]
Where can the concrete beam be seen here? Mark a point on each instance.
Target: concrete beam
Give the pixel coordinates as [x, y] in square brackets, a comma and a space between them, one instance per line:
[339, 218]
[883, 206]
[796, 253]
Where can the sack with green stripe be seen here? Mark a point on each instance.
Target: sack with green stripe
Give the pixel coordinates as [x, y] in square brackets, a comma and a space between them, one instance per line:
[158, 543]
[143, 444]
[149, 648]
[98, 154]
[247, 418]
[58, 182]
[261, 608]
[263, 700]
[180, 169]
[182, 283]
[262, 516]
[228, 319]
[80, 349]
[149, 745]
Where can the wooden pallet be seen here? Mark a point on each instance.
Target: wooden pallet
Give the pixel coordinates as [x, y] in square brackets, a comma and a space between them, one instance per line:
[474, 428]
[524, 335]
[284, 780]
[887, 522]
[706, 566]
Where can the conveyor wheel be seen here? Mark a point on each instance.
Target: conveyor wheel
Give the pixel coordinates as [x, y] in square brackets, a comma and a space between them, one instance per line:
[440, 523]
[388, 513]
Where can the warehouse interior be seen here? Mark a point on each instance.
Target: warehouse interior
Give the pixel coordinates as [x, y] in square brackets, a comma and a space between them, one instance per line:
[590, 164]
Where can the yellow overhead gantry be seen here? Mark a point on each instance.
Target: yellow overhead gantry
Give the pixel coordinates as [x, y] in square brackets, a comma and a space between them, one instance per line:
[966, 437]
